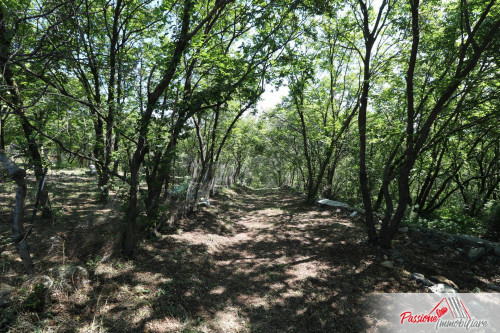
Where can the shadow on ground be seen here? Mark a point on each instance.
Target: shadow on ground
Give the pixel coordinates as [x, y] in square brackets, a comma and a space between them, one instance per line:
[254, 261]
[281, 268]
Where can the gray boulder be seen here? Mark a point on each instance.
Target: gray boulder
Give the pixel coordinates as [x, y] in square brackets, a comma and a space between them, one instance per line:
[476, 253]
[427, 282]
[475, 242]
[420, 279]
[493, 287]
[417, 277]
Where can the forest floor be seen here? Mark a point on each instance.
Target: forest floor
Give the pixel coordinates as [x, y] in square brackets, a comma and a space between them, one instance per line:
[256, 260]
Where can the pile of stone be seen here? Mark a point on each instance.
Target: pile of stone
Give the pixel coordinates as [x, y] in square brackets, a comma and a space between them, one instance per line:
[476, 248]
[437, 284]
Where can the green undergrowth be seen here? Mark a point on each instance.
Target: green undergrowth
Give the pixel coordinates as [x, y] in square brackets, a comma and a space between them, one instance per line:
[486, 224]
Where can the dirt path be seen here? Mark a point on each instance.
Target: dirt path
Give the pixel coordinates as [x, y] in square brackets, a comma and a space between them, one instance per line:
[274, 266]
[254, 261]
[266, 263]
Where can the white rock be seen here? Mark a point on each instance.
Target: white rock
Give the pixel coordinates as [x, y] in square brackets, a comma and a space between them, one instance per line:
[92, 170]
[332, 203]
[442, 288]
[417, 276]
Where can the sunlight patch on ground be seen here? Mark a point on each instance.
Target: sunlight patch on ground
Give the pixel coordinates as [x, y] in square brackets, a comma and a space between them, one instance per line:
[345, 223]
[219, 290]
[93, 327]
[228, 320]
[293, 293]
[211, 241]
[277, 286]
[148, 278]
[167, 324]
[306, 221]
[253, 301]
[141, 313]
[108, 270]
[271, 212]
[305, 270]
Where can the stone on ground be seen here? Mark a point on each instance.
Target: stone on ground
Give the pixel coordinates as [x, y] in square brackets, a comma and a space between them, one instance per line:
[427, 282]
[420, 279]
[92, 170]
[442, 288]
[417, 277]
[387, 264]
[332, 203]
[442, 279]
[476, 253]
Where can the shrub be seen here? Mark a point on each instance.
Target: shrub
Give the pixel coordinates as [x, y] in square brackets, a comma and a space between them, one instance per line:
[36, 299]
[450, 221]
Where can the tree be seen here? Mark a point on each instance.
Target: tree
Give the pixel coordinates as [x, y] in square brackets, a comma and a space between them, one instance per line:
[14, 28]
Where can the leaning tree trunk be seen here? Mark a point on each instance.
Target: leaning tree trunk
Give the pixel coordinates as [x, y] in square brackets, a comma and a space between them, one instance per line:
[36, 160]
[19, 235]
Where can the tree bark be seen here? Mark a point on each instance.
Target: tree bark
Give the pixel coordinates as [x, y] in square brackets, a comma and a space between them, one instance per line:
[3, 120]
[370, 37]
[18, 233]
[363, 174]
[129, 240]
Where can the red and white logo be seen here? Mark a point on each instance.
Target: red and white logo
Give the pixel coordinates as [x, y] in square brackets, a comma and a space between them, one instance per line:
[450, 312]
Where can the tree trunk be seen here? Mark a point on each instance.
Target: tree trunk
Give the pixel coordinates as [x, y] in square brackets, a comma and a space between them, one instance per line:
[129, 240]
[363, 174]
[18, 233]
[17, 105]
[2, 132]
